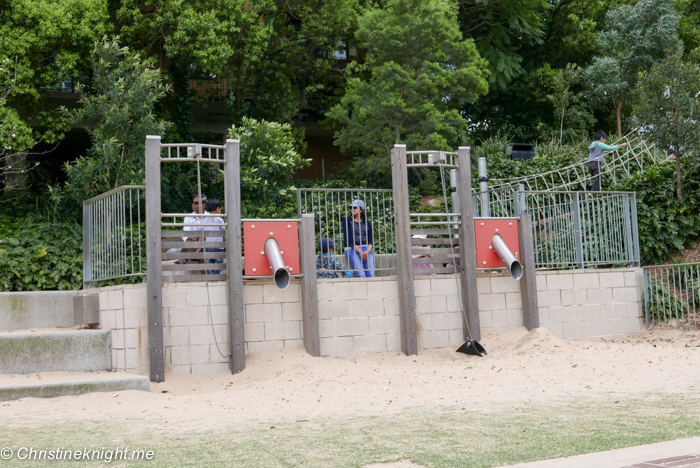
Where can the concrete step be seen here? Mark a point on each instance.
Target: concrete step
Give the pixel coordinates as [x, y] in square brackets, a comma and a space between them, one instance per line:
[60, 350]
[36, 309]
[56, 384]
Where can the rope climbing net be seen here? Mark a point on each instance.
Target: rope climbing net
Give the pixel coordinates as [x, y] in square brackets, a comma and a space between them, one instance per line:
[618, 164]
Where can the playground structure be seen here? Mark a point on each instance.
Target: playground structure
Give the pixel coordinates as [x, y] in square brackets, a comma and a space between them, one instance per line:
[196, 324]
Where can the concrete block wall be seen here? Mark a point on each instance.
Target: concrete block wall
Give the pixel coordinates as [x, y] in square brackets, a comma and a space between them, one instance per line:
[360, 315]
[195, 334]
[591, 303]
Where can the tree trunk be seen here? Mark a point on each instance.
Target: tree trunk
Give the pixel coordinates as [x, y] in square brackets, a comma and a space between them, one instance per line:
[561, 125]
[619, 123]
[679, 192]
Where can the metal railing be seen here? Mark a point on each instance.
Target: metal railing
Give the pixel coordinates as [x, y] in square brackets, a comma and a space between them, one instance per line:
[331, 206]
[672, 295]
[114, 235]
[572, 229]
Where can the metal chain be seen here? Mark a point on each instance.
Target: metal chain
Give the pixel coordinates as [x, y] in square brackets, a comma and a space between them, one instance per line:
[204, 251]
[465, 320]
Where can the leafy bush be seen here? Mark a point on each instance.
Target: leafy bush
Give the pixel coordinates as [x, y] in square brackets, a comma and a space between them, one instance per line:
[37, 255]
[666, 225]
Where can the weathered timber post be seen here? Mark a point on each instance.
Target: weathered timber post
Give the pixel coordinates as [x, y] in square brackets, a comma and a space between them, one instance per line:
[154, 287]
[528, 282]
[404, 267]
[467, 242]
[234, 278]
[309, 296]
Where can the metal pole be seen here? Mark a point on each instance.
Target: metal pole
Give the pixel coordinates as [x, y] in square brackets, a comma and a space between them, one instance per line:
[154, 286]
[454, 195]
[484, 188]
[87, 244]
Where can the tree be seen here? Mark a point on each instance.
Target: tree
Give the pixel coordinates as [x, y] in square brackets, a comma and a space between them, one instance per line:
[637, 36]
[419, 72]
[503, 31]
[15, 135]
[117, 112]
[670, 106]
[278, 57]
[270, 154]
[564, 97]
[41, 44]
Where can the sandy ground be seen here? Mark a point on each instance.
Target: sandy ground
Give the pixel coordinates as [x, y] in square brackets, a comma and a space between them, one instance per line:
[288, 385]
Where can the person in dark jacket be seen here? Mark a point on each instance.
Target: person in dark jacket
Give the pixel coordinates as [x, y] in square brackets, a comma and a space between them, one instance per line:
[358, 241]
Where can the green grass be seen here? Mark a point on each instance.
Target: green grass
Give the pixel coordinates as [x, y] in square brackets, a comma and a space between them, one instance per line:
[445, 438]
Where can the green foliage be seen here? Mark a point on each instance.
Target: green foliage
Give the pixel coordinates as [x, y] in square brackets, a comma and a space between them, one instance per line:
[37, 255]
[117, 112]
[419, 73]
[637, 36]
[567, 102]
[666, 225]
[270, 154]
[669, 95]
[502, 30]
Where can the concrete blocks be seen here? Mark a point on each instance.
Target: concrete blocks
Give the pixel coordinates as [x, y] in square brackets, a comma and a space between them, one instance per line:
[84, 350]
[586, 280]
[36, 309]
[351, 290]
[77, 384]
[263, 313]
[337, 346]
[384, 325]
[282, 331]
[369, 344]
[382, 290]
[612, 279]
[352, 326]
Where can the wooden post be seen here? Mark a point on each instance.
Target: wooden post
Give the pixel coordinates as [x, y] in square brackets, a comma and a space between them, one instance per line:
[404, 267]
[154, 286]
[467, 242]
[234, 277]
[528, 282]
[309, 296]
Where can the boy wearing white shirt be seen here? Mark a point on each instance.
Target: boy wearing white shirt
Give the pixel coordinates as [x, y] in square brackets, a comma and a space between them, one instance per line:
[214, 207]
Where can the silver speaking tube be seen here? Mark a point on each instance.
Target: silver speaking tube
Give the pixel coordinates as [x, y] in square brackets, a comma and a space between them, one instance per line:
[514, 267]
[274, 258]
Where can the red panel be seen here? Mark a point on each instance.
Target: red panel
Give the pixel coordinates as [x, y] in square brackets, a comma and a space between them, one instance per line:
[256, 233]
[486, 257]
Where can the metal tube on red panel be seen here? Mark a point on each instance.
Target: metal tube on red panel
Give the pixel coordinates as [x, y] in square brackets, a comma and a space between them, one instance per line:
[274, 257]
[514, 267]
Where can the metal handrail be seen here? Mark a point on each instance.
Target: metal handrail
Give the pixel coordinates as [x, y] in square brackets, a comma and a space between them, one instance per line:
[118, 189]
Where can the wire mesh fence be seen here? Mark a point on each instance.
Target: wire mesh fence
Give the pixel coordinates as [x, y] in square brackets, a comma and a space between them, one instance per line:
[333, 220]
[114, 235]
[672, 295]
[571, 229]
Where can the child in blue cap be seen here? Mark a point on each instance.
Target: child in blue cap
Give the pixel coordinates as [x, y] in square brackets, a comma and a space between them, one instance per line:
[327, 266]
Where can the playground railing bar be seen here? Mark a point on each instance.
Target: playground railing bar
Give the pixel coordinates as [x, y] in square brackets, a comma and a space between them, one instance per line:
[672, 295]
[331, 206]
[114, 235]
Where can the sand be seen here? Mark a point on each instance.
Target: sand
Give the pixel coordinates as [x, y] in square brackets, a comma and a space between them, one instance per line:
[288, 385]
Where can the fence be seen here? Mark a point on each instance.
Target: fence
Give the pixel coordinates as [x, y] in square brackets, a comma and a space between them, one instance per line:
[672, 295]
[572, 229]
[114, 235]
[331, 206]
